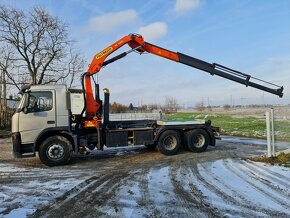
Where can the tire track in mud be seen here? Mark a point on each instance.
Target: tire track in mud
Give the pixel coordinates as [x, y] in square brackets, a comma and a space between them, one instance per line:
[110, 183]
[82, 200]
[224, 196]
[132, 197]
[282, 178]
[160, 192]
[244, 202]
[266, 169]
[243, 174]
[249, 173]
[68, 196]
[146, 200]
[11, 172]
[191, 201]
[104, 195]
[281, 195]
[264, 174]
[32, 177]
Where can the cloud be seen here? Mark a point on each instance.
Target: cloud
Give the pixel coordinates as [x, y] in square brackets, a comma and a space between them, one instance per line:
[153, 31]
[183, 6]
[107, 22]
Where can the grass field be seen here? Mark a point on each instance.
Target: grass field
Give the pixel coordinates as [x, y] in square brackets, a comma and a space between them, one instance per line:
[238, 125]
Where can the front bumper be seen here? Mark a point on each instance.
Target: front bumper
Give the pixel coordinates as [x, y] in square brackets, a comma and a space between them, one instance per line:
[22, 150]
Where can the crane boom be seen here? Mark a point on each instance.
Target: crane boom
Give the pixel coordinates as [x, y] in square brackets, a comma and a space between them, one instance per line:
[225, 72]
[137, 43]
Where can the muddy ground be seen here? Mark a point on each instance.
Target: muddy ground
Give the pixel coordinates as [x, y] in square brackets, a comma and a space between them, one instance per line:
[137, 182]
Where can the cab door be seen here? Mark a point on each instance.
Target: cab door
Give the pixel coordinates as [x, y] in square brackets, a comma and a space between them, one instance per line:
[40, 114]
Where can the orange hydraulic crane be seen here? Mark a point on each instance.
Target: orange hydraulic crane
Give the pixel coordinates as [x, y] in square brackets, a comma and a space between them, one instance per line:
[137, 43]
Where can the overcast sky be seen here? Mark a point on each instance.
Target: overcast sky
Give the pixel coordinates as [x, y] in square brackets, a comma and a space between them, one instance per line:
[249, 36]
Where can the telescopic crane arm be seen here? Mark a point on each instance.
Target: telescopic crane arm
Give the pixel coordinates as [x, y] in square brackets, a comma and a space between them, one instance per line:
[137, 43]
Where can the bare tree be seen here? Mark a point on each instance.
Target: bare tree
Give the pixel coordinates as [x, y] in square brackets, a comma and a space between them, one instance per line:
[170, 105]
[74, 69]
[200, 106]
[131, 107]
[6, 61]
[41, 45]
[34, 48]
[118, 108]
[226, 107]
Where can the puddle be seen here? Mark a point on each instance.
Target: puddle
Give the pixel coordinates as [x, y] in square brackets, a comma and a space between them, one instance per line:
[241, 140]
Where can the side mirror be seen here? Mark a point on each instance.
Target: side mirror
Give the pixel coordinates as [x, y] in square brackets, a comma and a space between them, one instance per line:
[26, 103]
[25, 110]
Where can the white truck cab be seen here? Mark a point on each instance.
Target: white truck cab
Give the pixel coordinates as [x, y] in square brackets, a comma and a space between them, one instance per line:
[46, 109]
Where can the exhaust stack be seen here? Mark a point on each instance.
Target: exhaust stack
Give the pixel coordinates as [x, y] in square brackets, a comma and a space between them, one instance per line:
[106, 106]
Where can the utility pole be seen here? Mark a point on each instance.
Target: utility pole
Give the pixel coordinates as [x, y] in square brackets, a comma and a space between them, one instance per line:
[242, 101]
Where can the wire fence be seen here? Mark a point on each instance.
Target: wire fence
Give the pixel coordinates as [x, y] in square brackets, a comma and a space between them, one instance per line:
[282, 122]
[135, 116]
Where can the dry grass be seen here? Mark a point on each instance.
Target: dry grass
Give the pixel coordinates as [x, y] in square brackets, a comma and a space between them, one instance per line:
[281, 159]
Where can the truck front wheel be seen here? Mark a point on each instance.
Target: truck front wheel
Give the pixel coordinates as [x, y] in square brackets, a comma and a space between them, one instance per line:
[55, 150]
[169, 142]
[196, 140]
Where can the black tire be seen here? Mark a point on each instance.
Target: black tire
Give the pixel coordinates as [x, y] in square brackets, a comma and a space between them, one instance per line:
[55, 150]
[169, 142]
[196, 140]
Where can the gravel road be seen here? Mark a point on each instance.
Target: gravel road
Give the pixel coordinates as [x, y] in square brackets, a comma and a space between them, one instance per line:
[137, 182]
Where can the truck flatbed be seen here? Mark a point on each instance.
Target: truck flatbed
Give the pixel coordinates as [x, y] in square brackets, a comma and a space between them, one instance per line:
[179, 122]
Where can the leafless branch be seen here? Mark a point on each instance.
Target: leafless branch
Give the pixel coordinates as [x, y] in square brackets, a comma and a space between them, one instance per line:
[41, 47]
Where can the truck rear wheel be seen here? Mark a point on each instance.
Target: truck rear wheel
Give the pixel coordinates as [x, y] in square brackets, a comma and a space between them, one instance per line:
[169, 142]
[196, 140]
[55, 150]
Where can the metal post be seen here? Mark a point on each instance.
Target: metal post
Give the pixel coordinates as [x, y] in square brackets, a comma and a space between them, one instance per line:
[268, 126]
[272, 132]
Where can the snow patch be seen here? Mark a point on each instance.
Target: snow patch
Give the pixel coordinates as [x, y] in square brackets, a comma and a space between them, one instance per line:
[19, 213]
[19, 199]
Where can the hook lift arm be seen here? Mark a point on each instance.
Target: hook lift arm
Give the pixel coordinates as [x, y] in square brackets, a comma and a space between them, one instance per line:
[137, 43]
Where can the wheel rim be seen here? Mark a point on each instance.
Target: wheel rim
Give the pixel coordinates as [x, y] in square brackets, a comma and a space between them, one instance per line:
[199, 141]
[170, 142]
[55, 152]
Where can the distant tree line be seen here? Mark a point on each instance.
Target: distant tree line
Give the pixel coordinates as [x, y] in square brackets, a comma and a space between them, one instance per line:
[170, 106]
[121, 108]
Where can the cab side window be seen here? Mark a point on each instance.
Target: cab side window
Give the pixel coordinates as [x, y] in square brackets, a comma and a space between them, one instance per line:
[40, 101]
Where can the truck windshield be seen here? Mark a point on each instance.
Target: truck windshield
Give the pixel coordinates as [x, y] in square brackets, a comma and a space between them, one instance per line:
[40, 101]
